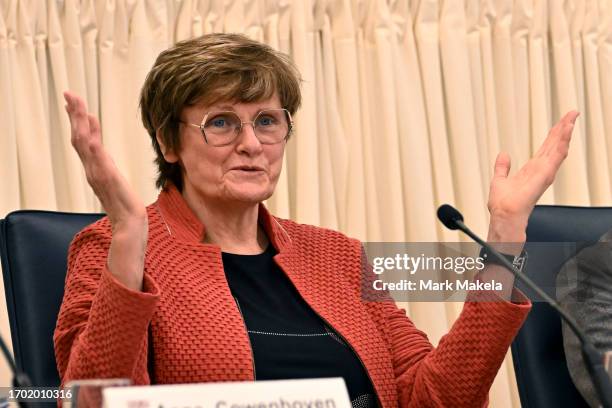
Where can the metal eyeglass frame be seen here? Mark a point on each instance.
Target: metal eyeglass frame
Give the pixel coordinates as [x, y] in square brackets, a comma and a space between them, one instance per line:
[252, 123]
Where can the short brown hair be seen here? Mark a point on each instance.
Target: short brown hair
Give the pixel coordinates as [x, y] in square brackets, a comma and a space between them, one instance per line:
[207, 69]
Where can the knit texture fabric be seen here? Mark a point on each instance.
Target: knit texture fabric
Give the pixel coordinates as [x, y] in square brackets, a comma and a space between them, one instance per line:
[185, 327]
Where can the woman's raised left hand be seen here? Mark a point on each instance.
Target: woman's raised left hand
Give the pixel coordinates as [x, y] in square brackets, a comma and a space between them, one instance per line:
[512, 198]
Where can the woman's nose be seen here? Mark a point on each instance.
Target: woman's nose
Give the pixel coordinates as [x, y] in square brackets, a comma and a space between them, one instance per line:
[247, 138]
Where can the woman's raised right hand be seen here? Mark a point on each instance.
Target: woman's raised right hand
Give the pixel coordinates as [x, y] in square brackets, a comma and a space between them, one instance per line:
[125, 210]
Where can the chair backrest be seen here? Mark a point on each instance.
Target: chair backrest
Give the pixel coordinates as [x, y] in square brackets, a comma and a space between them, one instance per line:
[537, 351]
[34, 248]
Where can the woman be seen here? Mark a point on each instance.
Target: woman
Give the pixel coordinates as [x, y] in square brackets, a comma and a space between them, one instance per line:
[206, 285]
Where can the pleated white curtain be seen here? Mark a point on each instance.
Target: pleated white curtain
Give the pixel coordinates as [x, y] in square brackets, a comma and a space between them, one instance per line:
[406, 104]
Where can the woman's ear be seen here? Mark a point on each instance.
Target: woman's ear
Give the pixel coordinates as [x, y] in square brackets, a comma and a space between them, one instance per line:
[169, 154]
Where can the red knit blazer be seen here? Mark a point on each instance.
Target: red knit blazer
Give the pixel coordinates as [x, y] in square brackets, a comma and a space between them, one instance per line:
[184, 327]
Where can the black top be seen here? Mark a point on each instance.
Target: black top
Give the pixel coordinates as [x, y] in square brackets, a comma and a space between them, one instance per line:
[289, 340]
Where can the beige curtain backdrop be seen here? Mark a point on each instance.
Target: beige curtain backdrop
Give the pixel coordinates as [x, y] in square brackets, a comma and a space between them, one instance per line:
[406, 104]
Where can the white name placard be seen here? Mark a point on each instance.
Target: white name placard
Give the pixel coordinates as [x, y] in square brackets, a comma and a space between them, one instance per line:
[308, 393]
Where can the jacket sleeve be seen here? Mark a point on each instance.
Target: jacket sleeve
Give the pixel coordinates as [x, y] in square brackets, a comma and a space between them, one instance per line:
[460, 371]
[102, 327]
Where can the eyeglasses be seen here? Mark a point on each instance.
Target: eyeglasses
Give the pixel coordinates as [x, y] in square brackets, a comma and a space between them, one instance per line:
[221, 128]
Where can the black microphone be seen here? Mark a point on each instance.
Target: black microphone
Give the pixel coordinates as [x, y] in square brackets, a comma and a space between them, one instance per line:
[594, 360]
[449, 216]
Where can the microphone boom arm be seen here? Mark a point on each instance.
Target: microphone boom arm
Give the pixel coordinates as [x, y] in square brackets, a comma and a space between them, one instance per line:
[594, 360]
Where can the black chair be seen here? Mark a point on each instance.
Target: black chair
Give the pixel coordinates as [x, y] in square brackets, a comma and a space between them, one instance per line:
[34, 248]
[554, 234]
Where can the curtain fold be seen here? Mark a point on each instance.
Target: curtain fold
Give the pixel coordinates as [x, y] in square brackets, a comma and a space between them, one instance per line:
[406, 104]
[344, 41]
[539, 83]
[9, 170]
[604, 54]
[587, 30]
[572, 182]
[36, 183]
[460, 119]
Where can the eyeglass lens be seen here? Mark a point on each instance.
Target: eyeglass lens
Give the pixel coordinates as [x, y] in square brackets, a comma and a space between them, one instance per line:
[270, 126]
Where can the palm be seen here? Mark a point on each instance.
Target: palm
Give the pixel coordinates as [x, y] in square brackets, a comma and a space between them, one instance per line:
[515, 196]
[119, 200]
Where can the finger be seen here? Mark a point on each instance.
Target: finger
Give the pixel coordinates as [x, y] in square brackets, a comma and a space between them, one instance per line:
[71, 107]
[95, 141]
[563, 133]
[560, 147]
[94, 125]
[545, 146]
[502, 165]
[68, 106]
[79, 112]
[555, 132]
[573, 115]
[67, 96]
[569, 117]
[558, 152]
[567, 123]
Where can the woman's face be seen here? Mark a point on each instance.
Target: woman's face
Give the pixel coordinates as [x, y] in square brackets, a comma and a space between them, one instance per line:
[243, 171]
